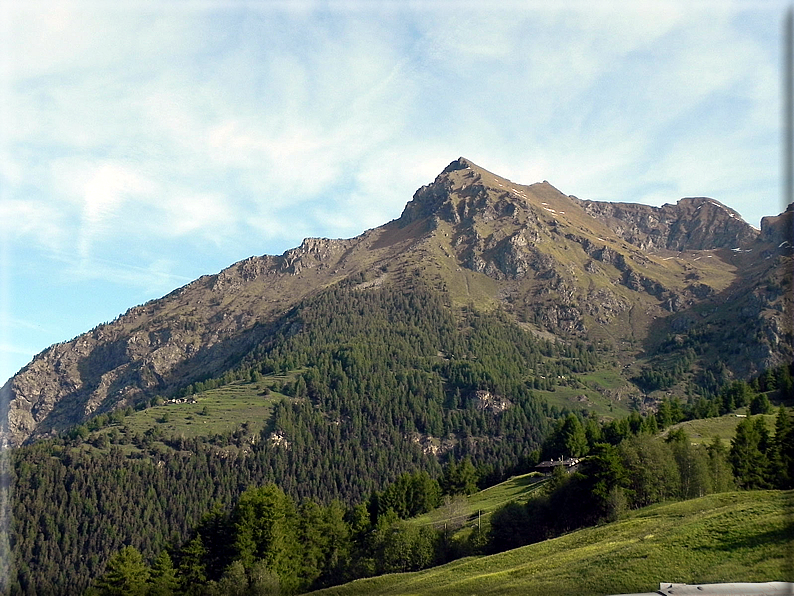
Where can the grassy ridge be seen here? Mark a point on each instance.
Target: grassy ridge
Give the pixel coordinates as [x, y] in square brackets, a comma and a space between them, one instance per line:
[227, 408]
[461, 509]
[705, 429]
[737, 536]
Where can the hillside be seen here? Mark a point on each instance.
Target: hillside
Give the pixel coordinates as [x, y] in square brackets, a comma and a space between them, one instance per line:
[686, 290]
[724, 537]
[703, 430]
[466, 330]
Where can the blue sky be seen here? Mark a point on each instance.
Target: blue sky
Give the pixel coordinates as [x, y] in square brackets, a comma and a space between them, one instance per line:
[143, 144]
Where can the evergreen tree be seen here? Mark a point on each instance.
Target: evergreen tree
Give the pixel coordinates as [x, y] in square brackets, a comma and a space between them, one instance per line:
[664, 414]
[163, 580]
[720, 468]
[192, 567]
[126, 574]
[783, 460]
[748, 457]
[265, 530]
[654, 476]
[785, 382]
[760, 404]
[606, 476]
[592, 431]
[567, 440]
[460, 479]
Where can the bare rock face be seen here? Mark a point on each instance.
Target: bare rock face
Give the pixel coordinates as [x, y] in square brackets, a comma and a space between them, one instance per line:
[485, 400]
[779, 230]
[691, 224]
[312, 253]
[428, 199]
[101, 370]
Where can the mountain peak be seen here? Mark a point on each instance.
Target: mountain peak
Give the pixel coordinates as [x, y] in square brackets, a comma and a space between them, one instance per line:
[461, 181]
[459, 164]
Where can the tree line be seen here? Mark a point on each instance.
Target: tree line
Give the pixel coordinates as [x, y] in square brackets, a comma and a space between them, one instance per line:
[269, 545]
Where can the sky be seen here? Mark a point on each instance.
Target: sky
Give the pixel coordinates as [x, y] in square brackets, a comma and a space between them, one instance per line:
[143, 144]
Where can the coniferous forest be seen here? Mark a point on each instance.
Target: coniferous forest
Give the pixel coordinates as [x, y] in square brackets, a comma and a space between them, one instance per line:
[319, 495]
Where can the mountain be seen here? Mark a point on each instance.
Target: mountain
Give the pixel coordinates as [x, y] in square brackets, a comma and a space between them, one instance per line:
[688, 291]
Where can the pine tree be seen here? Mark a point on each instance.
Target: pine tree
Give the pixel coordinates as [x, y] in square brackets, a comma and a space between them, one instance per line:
[719, 467]
[126, 574]
[606, 476]
[760, 404]
[264, 530]
[748, 456]
[784, 448]
[192, 566]
[163, 580]
[460, 479]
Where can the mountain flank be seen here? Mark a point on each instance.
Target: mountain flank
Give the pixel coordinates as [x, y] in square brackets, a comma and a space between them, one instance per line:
[654, 287]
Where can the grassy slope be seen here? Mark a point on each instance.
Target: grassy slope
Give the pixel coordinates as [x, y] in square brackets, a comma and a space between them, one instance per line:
[738, 536]
[227, 408]
[571, 398]
[517, 488]
[724, 427]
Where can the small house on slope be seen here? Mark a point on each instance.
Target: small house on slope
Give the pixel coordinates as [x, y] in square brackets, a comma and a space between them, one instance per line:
[569, 465]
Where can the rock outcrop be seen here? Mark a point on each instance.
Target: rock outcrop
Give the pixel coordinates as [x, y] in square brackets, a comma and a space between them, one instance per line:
[696, 223]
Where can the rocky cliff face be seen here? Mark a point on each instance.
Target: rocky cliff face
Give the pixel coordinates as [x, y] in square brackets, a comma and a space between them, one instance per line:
[559, 265]
[779, 230]
[691, 224]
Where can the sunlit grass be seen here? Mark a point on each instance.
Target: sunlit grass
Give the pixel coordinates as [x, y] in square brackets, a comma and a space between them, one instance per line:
[704, 430]
[738, 536]
[462, 509]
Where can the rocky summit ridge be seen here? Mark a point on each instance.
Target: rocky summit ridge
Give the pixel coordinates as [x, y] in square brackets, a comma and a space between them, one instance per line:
[626, 275]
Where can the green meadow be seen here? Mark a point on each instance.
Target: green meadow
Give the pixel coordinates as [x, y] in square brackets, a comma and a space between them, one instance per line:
[460, 510]
[736, 536]
[226, 409]
[724, 427]
[216, 411]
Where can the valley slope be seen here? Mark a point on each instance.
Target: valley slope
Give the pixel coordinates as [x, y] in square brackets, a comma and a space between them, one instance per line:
[687, 289]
